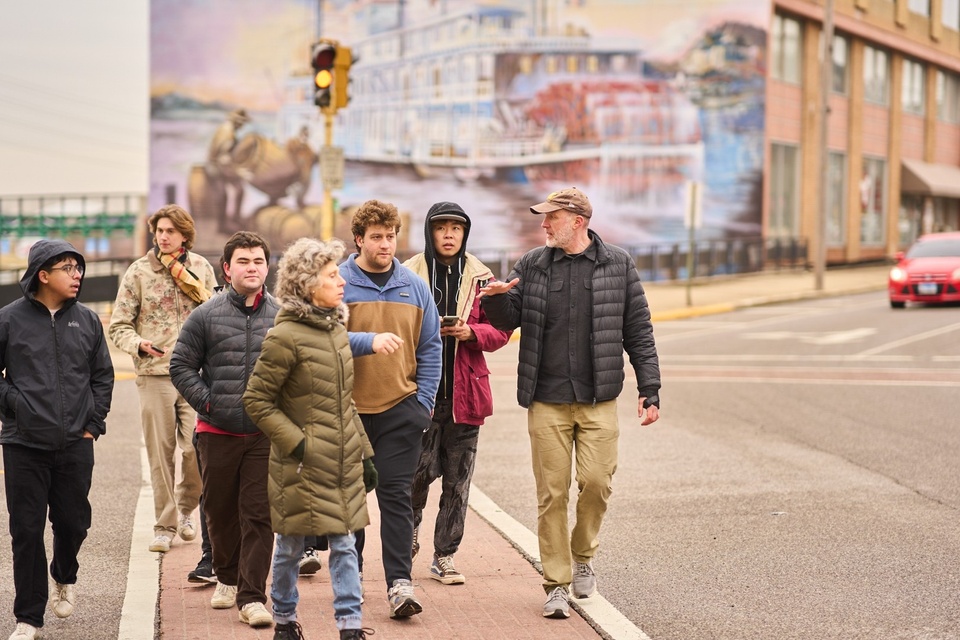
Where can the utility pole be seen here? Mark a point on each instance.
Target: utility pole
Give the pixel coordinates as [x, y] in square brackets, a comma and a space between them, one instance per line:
[826, 86]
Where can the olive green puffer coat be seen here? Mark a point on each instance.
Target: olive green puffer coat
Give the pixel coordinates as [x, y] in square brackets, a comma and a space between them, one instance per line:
[301, 389]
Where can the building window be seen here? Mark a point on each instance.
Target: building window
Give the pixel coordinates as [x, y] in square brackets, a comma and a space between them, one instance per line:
[841, 65]
[948, 97]
[836, 198]
[873, 189]
[784, 200]
[785, 53]
[914, 81]
[910, 222]
[921, 7]
[950, 14]
[876, 75]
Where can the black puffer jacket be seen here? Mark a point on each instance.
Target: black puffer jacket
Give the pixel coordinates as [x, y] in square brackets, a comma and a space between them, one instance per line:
[57, 377]
[215, 353]
[621, 321]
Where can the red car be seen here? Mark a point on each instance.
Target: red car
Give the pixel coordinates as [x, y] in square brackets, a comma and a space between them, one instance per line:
[928, 272]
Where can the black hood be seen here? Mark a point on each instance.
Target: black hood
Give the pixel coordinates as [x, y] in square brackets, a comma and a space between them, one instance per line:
[438, 210]
[40, 252]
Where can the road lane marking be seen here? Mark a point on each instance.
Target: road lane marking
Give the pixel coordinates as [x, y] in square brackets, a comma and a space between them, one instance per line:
[773, 357]
[815, 337]
[939, 377]
[911, 339]
[830, 381]
[143, 570]
[596, 610]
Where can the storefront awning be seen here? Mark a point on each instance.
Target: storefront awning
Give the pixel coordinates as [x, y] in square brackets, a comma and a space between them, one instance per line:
[930, 179]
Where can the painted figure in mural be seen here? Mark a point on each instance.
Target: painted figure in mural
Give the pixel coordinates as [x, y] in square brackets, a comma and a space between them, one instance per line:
[55, 394]
[300, 395]
[394, 396]
[208, 369]
[570, 375]
[464, 399]
[222, 169]
[157, 294]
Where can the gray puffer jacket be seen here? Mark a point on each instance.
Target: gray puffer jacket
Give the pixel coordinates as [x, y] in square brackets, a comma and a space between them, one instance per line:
[214, 357]
[621, 321]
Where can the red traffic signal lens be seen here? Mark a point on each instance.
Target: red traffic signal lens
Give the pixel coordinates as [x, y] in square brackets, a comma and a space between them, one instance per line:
[323, 56]
[323, 78]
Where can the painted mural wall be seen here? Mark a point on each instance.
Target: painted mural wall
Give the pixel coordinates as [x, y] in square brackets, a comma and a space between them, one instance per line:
[490, 104]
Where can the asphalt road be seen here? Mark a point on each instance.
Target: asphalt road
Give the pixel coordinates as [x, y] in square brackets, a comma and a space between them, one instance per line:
[802, 481]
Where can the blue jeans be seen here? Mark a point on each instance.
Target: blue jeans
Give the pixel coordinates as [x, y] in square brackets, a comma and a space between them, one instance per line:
[344, 578]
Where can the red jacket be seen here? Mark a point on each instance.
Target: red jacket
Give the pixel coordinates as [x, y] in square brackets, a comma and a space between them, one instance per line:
[472, 397]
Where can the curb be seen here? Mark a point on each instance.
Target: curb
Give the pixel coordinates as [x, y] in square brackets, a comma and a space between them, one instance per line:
[712, 309]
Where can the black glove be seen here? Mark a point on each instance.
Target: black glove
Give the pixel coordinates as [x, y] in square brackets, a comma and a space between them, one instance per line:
[299, 449]
[369, 475]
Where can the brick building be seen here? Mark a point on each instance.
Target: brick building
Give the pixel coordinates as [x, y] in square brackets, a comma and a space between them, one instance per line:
[894, 124]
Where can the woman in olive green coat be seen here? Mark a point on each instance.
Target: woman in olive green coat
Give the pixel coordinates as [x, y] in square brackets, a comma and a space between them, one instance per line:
[300, 396]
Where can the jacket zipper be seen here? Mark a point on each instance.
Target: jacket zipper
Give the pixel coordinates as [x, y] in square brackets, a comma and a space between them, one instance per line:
[56, 348]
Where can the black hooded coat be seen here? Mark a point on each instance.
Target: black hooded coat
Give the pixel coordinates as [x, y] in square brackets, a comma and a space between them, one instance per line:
[57, 378]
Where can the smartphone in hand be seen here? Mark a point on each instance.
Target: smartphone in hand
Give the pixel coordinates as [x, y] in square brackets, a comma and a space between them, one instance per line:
[449, 321]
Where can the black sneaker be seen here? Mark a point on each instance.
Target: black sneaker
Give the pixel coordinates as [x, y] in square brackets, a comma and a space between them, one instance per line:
[288, 631]
[309, 563]
[203, 574]
[356, 634]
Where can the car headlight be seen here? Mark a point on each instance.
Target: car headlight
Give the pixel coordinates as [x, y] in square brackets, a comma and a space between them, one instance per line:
[899, 275]
[955, 276]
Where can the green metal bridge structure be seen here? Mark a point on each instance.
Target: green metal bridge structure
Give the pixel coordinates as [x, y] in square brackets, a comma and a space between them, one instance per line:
[60, 216]
[108, 228]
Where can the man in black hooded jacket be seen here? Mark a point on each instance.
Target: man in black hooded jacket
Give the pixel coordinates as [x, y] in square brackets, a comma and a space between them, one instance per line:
[55, 394]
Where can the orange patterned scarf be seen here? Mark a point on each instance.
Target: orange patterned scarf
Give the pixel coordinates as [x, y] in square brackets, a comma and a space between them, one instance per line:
[176, 262]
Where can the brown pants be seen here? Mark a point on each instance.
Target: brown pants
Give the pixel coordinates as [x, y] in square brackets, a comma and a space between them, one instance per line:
[237, 511]
[168, 422]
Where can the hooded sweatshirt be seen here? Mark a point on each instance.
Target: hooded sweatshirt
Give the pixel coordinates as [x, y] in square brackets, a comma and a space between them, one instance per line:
[465, 377]
[58, 376]
[444, 281]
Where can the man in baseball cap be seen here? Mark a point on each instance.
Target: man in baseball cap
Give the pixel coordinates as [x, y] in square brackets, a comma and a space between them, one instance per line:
[571, 199]
[579, 304]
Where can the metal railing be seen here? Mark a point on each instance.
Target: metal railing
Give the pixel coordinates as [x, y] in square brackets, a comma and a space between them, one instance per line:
[668, 261]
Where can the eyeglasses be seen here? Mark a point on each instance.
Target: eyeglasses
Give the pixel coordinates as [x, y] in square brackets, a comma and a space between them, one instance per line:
[69, 269]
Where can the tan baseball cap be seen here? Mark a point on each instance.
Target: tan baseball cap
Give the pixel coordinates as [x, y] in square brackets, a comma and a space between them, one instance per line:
[572, 200]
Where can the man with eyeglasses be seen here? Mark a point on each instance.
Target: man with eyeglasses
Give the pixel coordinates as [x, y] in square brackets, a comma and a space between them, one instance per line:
[55, 394]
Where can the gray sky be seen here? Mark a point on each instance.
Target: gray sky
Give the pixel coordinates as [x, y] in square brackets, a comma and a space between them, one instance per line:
[74, 102]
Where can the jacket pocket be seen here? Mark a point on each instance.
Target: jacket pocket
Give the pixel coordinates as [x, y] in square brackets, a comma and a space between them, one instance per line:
[479, 396]
[555, 299]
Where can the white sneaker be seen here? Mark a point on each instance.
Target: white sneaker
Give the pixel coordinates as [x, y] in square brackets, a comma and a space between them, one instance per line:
[256, 615]
[224, 597]
[584, 582]
[63, 599]
[557, 604]
[161, 544]
[186, 530]
[25, 631]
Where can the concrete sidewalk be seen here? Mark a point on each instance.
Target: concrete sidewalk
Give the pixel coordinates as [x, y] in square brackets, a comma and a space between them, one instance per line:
[502, 597]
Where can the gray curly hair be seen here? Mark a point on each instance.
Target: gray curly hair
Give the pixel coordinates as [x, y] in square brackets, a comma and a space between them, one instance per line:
[299, 270]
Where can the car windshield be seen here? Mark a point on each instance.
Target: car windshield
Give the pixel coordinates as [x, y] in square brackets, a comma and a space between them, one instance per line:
[943, 248]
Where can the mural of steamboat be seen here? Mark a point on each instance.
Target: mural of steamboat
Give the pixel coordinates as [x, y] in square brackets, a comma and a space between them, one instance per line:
[485, 94]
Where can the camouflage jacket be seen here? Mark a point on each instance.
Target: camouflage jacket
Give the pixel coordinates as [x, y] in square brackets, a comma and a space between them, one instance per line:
[150, 306]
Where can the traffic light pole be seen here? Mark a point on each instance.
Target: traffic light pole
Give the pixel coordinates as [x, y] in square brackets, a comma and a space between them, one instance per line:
[326, 207]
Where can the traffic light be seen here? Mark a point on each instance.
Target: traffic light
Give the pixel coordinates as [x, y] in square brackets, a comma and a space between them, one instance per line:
[341, 76]
[322, 56]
